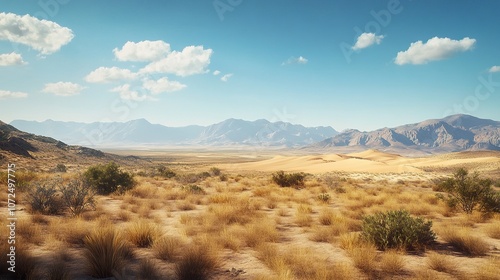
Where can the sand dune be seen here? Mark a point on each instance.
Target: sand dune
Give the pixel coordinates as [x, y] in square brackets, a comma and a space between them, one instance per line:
[372, 161]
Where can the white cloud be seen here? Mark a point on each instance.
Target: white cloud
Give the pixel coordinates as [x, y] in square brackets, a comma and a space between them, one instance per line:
[191, 60]
[128, 94]
[9, 59]
[367, 39]
[162, 85]
[216, 72]
[106, 75]
[12, 94]
[42, 35]
[435, 49]
[226, 77]
[296, 60]
[63, 88]
[142, 51]
[494, 69]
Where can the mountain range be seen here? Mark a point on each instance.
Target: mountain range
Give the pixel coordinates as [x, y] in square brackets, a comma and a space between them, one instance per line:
[449, 134]
[142, 133]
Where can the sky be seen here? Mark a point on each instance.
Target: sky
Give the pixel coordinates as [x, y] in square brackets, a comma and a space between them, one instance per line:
[347, 64]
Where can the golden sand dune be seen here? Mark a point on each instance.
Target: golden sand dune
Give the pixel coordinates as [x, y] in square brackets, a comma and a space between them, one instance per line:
[372, 161]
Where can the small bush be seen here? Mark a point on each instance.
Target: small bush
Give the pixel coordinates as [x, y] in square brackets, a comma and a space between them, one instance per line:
[60, 168]
[324, 197]
[78, 195]
[194, 189]
[104, 252]
[109, 178]
[214, 171]
[43, 198]
[164, 172]
[469, 192]
[288, 180]
[397, 229]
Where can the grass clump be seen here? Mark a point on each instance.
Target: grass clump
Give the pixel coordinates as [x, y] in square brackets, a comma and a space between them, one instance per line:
[197, 263]
[143, 234]
[105, 251]
[397, 229]
[166, 248]
[462, 240]
[288, 180]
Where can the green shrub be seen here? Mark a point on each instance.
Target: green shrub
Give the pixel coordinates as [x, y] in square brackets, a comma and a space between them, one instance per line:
[109, 178]
[165, 172]
[78, 195]
[397, 229]
[288, 180]
[214, 171]
[469, 192]
[43, 197]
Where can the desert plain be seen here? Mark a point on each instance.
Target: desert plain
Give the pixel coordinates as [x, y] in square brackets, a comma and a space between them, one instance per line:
[220, 212]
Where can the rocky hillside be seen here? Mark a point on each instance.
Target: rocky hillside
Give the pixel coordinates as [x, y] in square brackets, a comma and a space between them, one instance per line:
[450, 134]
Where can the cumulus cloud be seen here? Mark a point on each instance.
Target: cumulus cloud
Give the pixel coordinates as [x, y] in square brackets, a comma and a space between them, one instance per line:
[494, 69]
[367, 39]
[128, 94]
[295, 60]
[12, 94]
[63, 88]
[216, 72]
[226, 77]
[42, 35]
[9, 59]
[106, 75]
[142, 51]
[162, 85]
[435, 49]
[191, 60]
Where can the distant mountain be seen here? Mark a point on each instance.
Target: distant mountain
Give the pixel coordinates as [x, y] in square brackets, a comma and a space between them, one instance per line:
[141, 132]
[19, 146]
[450, 134]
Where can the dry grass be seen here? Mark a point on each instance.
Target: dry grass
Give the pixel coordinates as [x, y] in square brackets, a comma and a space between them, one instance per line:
[104, 252]
[167, 248]
[493, 230]
[148, 270]
[442, 263]
[489, 270]
[143, 233]
[72, 231]
[392, 262]
[196, 263]
[465, 241]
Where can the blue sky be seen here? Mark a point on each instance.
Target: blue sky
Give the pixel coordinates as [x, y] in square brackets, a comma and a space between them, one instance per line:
[346, 64]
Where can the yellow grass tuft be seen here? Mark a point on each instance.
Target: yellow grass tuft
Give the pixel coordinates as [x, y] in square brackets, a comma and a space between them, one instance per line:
[392, 262]
[464, 241]
[442, 263]
[143, 234]
[196, 263]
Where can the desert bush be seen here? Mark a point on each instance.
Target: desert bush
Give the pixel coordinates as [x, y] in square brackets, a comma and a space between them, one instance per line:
[214, 171]
[324, 197]
[104, 252]
[60, 168]
[78, 195]
[109, 178]
[469, 192]
[43, 197]
[195, 189]
[288, 180]
[164, 172]
[196, 264]
[397, 229]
